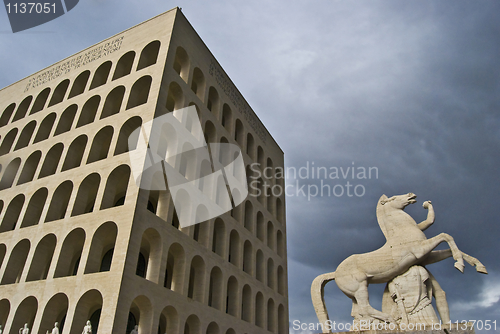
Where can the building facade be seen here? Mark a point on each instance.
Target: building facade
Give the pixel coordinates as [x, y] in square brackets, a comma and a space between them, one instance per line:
[80, 240]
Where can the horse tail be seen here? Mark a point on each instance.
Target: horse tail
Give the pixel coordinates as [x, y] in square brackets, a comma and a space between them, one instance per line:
[318, 298]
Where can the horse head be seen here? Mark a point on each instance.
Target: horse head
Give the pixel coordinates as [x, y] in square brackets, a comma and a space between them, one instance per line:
[386, 205]
[398, 202]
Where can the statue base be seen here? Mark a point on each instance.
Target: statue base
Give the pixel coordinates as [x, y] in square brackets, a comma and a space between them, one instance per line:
[460, 328]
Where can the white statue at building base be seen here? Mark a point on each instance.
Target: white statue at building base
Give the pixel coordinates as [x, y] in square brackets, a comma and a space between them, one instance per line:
[406, 246]
[24, 330]
[408, 298]
[88, 328]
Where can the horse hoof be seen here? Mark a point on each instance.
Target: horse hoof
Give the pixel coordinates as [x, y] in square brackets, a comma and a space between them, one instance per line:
[460, 266]
[481, 269]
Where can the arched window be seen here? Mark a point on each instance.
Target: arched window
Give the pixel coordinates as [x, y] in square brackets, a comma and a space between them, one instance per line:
[16, 263]
[23, 108]
[227, 118]
[175, 97]
[213, 101]
[270, 235]
[43, 257]
[35, 208]
[234, 248]
[248, 258]
[66, 120]
[101, 248]
[261, 227]
[7, 114]
[149, 256]
[192, 325]
[169, 321]
[149, 55]
[250, 146]
[246, 304]
[281, 281]
[101, 75]
[30, 167]
[59, 202]
[89, 111]
[198, 84]
[279, 211]
[8, 141]
[51, 161]
[10, 174]
[124, 65]
[59, 93]
[210, 132]
[116, 187]
[248, 216]
[45, 128]
[215, 292]
[260, 310]
[100, 144]
[181, 63]
[213, 328]
[218, 239]
[88, 308]
[40, 101]
[232, 296]
[280, 244]
[260, 266]
[196, 286]
[25, 314]
[12, 212]
[239, 133]
[270, 274]
[75, 153]
[113, 102]
[271, 316]
[86, 196]
[282, 320]
[55, 311]
[174, 273]
[69, 256]
[25, 136]
[139, 92]
[79, 84]
[125, 138]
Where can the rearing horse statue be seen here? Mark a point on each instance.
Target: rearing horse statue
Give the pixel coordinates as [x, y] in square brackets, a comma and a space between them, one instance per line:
[406, 246]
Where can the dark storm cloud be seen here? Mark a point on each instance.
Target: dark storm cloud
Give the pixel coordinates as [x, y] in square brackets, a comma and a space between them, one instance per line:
[409, 87]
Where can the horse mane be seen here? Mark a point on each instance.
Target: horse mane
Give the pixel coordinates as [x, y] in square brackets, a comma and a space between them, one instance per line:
[381, 212]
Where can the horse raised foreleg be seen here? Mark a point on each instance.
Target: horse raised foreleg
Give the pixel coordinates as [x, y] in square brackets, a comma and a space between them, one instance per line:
[430, 244]
[439, 255]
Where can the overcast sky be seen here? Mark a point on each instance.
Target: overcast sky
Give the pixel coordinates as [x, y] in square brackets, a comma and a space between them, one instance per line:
[409, 87]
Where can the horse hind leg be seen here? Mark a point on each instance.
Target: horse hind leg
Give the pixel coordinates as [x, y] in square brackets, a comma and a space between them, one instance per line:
[439, 255]
[362, 306]
[455, 252]
[480, 268]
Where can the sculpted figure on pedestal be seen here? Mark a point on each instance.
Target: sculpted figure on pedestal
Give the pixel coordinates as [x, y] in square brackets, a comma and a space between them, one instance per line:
[24, 330]
[55, 330]
[406, 245]
[88, 328]
[408, 298]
